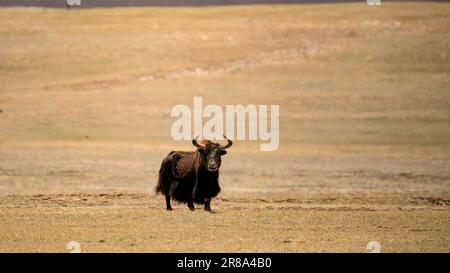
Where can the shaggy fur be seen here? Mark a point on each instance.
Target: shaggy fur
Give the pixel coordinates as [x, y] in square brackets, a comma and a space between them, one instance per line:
[186, 177]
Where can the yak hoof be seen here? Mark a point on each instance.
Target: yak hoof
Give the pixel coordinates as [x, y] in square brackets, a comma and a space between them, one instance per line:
[169, 208]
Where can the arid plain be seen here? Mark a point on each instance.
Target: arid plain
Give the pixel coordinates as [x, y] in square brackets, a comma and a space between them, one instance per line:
[364, 155]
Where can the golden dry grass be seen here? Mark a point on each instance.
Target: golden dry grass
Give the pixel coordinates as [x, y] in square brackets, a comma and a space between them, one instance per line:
[139, 223]
[85, 103]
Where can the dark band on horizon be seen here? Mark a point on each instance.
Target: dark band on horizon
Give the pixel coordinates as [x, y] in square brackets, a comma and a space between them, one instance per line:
[168, 3]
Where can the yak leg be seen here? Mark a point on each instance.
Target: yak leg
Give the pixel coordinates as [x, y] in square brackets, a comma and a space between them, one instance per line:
[208, 204]
[172, 189]
[191, 205]
[169, 207]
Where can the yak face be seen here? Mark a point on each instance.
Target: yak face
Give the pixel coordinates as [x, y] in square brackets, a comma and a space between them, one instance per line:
[212, 156]
[211, 153]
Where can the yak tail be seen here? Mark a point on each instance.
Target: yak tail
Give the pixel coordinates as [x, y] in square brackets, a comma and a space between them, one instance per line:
[165, 175]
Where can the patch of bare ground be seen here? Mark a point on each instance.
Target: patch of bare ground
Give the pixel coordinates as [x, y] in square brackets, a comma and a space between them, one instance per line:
[152, 201]
[135, 222]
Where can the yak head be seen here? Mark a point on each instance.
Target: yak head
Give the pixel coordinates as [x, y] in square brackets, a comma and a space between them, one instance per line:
[211, 152]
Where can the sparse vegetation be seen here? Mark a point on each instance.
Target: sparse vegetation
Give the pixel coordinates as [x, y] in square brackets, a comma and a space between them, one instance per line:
[85, 102]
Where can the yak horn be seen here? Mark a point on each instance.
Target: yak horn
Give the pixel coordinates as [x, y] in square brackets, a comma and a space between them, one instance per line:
[228, 144]
[194, 141]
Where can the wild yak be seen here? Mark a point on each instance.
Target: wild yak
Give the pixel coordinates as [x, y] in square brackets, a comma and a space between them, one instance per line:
[192, 177]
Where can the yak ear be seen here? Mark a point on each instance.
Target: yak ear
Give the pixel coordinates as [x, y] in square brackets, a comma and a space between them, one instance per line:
[223, 152]
[201, 150]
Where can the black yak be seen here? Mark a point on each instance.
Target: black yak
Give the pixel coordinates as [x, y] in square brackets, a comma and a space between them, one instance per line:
[192, 177]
